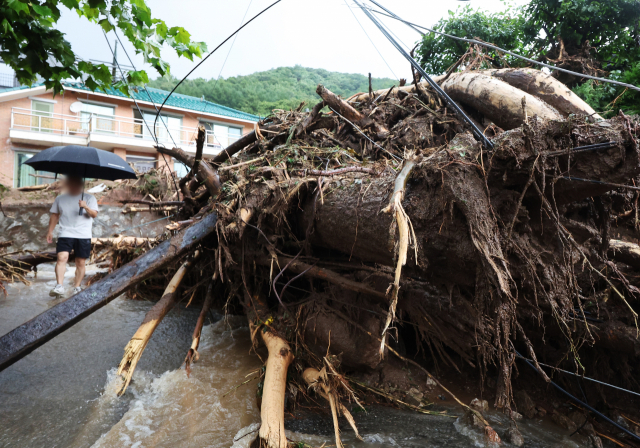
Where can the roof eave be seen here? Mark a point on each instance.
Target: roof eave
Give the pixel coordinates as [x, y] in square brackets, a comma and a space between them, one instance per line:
[173, 108]
[21, 93]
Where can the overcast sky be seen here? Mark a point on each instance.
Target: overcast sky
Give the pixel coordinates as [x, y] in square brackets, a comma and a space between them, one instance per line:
[312, 33]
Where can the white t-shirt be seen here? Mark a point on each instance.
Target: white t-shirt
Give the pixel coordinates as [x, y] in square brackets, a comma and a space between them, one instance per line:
[73, 225]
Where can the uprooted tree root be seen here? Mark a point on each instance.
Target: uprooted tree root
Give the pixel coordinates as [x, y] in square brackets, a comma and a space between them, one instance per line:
[481, 253]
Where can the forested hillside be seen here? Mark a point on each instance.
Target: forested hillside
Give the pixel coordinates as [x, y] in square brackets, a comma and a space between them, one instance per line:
[279, 88]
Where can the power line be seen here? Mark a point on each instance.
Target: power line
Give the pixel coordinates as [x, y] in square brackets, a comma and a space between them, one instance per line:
[586, 378]
[225, 63]
[370, 40]
[122, 74]
[144, 87]
[476, 131]
[153, 135]
[216, 49]
[493, 47]
[582, 403]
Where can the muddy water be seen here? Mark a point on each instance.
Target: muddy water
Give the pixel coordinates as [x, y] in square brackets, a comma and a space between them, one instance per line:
[63, 394]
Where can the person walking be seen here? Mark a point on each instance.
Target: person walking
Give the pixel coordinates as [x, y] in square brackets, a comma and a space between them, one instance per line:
[75, 231]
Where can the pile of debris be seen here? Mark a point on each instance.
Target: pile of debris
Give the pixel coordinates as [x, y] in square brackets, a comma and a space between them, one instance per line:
[367, 226]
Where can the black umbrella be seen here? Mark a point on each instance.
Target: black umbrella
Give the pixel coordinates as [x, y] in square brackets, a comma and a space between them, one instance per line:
[82, 161]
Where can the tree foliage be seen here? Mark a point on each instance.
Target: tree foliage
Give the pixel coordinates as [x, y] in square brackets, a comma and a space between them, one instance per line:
[280, 88]
[504, 29]
[599, 36]
[32, 46]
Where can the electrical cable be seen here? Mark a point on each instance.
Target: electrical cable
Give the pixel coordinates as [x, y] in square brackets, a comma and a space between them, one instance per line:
[587, 378]
[579, 149]
[144, 87]
[222, 68]
[582, 403]
[122, 74]
[476, 131]
[371, 40]
[207, 56]
[493, 47]
[153, 134]
[628, 187]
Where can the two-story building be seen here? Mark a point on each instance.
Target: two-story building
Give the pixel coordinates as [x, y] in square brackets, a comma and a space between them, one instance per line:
[32, 119]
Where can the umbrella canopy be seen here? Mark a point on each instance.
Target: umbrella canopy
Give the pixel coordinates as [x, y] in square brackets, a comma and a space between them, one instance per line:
[82, 161]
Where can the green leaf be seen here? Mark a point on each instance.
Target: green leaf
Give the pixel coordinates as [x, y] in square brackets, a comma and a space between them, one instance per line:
[18, 6]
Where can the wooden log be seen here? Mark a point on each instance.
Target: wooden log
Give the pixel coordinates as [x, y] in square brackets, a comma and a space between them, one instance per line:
[150, 209]
[32, 260]
[192, 354]
[280, 357]
[338, 104]
[27, 337]
[200, 138]
[134, 349]
[310, 118]
[627, 253]
[122, 241]
[271, 433]
[205, 173]
[547, 88]
[505, 105]
[33, 187]
[153, 203]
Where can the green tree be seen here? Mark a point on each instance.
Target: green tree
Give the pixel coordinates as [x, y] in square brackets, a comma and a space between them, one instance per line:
[504, 29]
[280, 88]
[596, 37]
[31, 45]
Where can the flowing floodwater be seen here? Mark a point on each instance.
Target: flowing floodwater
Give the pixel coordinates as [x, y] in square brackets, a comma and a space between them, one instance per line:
[63, 394]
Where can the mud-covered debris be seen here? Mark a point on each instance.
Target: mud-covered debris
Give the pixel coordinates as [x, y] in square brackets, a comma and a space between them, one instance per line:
[513, 435]
[479, 405]
[525, 404]
[563, 421]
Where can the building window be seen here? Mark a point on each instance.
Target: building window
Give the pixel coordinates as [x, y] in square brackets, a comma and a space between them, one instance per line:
[168, 129]
[180, 169]
[42, 116]
[25, 176]
[98, 118]
[221, 136]
[142, 164]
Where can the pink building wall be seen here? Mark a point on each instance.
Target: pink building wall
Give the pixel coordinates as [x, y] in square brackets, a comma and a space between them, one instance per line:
[124, 109]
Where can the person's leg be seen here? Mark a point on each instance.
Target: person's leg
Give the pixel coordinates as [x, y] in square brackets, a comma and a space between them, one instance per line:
[61, 266]
[82, 249]
[80, 268]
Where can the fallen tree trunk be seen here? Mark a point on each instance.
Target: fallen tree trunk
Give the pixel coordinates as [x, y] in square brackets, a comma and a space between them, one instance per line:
[27, 337]
[547, 88]
[506, 106]
[134, 349]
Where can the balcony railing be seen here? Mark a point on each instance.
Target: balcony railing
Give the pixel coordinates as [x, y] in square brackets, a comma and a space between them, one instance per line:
[87, 124]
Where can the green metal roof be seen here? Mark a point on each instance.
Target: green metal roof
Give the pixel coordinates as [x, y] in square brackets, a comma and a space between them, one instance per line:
[158, 96]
